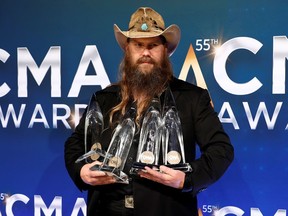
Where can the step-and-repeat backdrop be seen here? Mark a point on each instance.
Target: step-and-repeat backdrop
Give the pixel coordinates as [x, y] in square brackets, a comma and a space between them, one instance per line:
[54, 54]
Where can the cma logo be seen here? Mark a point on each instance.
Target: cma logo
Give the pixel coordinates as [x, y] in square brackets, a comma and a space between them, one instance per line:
[280, 54]
[40, 208]
[232, 210]
[52, 64]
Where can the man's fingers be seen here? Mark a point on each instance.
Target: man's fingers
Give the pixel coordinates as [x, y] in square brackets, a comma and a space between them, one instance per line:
[167, 170]
[164, 175]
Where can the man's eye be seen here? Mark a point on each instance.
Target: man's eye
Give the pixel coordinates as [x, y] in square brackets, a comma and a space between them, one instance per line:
[139, 45]
[151, 46]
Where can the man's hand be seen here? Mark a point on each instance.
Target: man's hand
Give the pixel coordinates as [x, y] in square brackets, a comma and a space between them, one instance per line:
[95, 177]
[166, 176]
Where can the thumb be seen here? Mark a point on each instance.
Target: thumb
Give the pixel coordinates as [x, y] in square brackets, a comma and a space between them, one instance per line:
[95, 163]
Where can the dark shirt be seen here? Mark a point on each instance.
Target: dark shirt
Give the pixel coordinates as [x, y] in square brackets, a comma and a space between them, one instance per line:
[200, 125]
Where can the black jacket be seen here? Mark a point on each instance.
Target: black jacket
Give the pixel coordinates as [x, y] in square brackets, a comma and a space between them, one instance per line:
[200, 125]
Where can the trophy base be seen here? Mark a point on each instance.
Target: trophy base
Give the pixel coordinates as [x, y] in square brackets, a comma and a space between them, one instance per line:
[184, 167]
[120, 176]
[137, 166]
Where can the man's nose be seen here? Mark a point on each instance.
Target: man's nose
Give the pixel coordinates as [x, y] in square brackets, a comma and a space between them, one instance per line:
[146, 51]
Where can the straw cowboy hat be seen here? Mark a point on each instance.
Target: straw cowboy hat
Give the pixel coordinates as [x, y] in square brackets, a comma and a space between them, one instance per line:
[146, 23]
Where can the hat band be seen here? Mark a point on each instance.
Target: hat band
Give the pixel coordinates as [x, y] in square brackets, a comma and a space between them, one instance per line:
[142, 28]
[145, 28]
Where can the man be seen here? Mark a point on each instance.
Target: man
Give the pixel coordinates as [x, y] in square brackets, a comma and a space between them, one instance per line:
[146, 73]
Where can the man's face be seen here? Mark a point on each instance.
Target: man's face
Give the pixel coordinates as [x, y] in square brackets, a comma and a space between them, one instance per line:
[146, 53]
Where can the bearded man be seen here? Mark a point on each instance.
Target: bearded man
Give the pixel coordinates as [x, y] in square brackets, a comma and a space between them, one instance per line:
[146, 73]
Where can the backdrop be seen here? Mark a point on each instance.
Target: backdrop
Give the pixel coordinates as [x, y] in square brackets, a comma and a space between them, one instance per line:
[54, 54]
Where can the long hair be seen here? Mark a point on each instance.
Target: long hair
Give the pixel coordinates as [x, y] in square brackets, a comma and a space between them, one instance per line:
[131, 80]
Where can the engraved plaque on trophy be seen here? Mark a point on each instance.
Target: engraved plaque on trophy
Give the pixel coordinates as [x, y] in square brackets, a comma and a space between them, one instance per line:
[92, 130]
[172, 137]
[117, 153]
[150, 138]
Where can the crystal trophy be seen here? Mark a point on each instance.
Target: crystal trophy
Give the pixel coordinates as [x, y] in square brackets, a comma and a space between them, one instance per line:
[117, 153]
[172, 137]
[150, 138]
[92, 129]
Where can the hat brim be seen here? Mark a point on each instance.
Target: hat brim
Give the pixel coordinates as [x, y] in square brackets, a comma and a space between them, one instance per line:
[172, 35]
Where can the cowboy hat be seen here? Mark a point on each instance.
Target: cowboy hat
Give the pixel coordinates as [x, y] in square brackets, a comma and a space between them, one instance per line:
[146, 23]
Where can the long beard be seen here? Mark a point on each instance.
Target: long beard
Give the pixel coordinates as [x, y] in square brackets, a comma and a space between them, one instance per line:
[150, 83]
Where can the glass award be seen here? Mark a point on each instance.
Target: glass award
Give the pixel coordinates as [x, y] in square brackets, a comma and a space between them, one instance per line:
[172, 137]
[93, 128]
[117, 153]
[150, 138]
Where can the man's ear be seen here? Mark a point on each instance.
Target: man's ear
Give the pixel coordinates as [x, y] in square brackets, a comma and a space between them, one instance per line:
[166, 49]
[126, 46]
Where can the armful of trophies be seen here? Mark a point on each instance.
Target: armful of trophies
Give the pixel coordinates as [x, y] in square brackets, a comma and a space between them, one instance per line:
[160, 134]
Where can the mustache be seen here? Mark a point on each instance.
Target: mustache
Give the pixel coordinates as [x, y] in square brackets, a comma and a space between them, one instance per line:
[145, 59]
